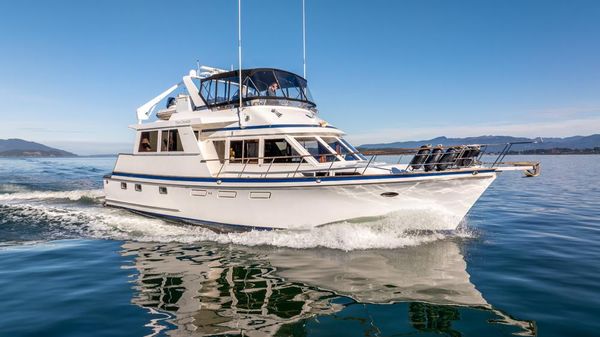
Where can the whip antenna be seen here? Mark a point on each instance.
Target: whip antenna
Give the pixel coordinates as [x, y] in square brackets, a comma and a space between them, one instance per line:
[240, 50]
[304, 37]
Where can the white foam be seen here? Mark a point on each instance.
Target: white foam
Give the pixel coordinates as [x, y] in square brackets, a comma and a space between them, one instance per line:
[109, 223]
[45, 195]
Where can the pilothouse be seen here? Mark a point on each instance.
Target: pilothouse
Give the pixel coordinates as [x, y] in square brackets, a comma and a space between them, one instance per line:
[250, 149]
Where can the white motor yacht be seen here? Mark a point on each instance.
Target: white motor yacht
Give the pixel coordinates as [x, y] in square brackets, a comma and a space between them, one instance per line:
[249, 148]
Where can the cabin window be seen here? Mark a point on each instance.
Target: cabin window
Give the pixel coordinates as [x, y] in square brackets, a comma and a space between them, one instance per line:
[220, 149]
[138, 187]
[235, 151]
[148, 141]
[340, 148]
[280, 151]
[123, 186]
[243, 151]
[353, 149]
[162, 190]
[251, 150]
[171, 141]
[317, 149]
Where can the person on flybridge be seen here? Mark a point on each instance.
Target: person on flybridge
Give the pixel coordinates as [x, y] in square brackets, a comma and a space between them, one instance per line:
[272, 91]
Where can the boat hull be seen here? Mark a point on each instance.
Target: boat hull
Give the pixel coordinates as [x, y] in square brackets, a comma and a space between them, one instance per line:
[427, 202]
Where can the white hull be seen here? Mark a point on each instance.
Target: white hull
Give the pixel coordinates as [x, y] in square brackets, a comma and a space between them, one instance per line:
[432, 202]
[268, 160]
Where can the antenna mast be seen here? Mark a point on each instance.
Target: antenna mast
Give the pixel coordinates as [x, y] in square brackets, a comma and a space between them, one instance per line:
[304, 38]
[240, 50]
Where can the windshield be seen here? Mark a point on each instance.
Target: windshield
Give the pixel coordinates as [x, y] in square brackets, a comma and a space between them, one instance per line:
[259, 87]
[340, 148]
[317, 149]
[353, 149]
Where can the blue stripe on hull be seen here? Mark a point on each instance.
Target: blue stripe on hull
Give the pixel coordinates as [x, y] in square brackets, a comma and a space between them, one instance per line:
[301, 179]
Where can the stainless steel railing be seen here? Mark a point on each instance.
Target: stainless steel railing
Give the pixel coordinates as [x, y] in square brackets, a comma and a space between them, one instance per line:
[459, 160]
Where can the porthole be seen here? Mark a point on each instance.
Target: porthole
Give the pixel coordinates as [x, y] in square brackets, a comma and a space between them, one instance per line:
[227, 194]
[260, 195]
[123, 186]
[389, 194]
[198, 193]
[138, 187]
[162, 190]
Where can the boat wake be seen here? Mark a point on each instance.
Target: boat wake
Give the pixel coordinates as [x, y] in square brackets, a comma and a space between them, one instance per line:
[77, 195]
[50, 215]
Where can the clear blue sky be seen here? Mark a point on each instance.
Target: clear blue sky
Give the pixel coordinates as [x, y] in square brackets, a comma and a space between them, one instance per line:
[73, 72]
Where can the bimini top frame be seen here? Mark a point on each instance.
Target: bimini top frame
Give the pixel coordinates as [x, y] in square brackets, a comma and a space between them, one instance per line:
[275, 85]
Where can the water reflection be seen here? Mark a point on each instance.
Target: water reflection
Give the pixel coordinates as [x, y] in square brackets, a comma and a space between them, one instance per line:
[211, 289]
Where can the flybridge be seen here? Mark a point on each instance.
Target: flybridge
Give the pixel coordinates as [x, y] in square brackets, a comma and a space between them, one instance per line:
[276, 86]
[221, 89]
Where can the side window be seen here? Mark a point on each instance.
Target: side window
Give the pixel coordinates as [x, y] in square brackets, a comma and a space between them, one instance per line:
[208, 91]
[148, 141]
[339, 148]
[316, 149]
[170, 141]
[240, 150]
[235, 151]
[280, 151]
[251, 150]
[220, 149]
[353, 149]
[222, 94]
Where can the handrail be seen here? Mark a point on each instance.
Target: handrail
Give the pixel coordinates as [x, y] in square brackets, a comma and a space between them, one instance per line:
[458, 161]
[397, 151]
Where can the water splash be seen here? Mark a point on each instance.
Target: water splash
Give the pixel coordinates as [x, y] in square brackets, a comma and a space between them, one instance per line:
[68, 214]
[76, 195]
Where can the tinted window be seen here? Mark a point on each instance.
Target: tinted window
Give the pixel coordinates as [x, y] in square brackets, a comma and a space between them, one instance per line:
[353, 149]
[148, 141]
[170, 141]
[236, 151]
[251, 150]
[243, 151]
[314, 147]
[276, 148]
[339, 148]
[223, 89]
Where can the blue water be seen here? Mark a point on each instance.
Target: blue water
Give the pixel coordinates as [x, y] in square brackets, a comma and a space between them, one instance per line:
[525, 262]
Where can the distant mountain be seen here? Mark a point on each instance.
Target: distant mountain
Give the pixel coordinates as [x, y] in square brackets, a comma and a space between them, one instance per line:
[21, 148]
[575, 142]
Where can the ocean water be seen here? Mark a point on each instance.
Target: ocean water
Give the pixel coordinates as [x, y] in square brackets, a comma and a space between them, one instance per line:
[525, 262]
